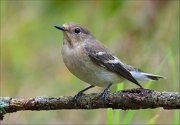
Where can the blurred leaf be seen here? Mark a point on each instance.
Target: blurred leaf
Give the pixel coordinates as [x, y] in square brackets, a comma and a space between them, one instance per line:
[128, 117]
[110, 120]
[153, 120]
[118, 113]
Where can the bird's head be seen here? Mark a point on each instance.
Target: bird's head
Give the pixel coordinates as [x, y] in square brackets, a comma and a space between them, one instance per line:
[74, 32]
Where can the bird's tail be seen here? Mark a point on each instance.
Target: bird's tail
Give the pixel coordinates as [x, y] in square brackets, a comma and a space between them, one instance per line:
[145, 76]
[153, 77]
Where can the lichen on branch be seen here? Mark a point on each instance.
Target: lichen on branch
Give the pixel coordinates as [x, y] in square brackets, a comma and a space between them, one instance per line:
[126, 99]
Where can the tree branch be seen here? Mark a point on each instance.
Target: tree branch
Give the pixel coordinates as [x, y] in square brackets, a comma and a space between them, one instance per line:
[125, 99]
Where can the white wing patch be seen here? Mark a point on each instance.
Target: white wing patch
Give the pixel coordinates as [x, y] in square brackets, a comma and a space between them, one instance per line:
[101, 53]
[114, 61]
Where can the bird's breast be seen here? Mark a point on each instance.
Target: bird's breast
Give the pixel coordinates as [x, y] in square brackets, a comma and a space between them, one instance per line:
[79, 64]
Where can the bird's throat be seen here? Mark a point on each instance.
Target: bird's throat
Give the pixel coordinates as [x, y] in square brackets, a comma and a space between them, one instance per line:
[67, 40]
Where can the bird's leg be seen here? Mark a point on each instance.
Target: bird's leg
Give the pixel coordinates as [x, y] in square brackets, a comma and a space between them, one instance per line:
[103, 94]
[139, 85]
[80, 93]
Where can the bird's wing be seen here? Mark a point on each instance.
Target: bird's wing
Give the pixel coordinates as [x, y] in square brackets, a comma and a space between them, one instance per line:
[102, 57]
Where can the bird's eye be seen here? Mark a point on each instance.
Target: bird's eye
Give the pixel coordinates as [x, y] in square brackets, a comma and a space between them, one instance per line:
[77, 30]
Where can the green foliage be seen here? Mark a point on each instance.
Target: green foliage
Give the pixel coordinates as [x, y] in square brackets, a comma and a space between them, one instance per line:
[141, 33]
[114, 116]
[110, 115]
[153, 120]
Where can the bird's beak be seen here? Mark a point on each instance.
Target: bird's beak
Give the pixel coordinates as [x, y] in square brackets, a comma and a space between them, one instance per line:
[61, 28]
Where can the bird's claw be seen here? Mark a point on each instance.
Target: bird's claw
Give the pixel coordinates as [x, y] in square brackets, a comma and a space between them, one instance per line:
[80, 93]
[103, 95]
[76, 97]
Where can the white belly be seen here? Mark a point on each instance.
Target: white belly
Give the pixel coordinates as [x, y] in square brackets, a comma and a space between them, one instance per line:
[81, 66]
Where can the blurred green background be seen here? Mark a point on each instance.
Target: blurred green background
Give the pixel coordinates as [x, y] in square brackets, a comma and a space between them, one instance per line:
[141, 33]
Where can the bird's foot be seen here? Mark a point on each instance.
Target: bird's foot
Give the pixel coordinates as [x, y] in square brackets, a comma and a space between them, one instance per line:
[103, 95]
[80, 93]
[75, 98]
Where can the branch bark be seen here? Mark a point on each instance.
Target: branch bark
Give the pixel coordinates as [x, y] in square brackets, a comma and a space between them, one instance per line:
[125, 99]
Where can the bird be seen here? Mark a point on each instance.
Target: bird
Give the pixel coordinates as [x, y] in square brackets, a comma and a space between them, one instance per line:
[92, 62]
